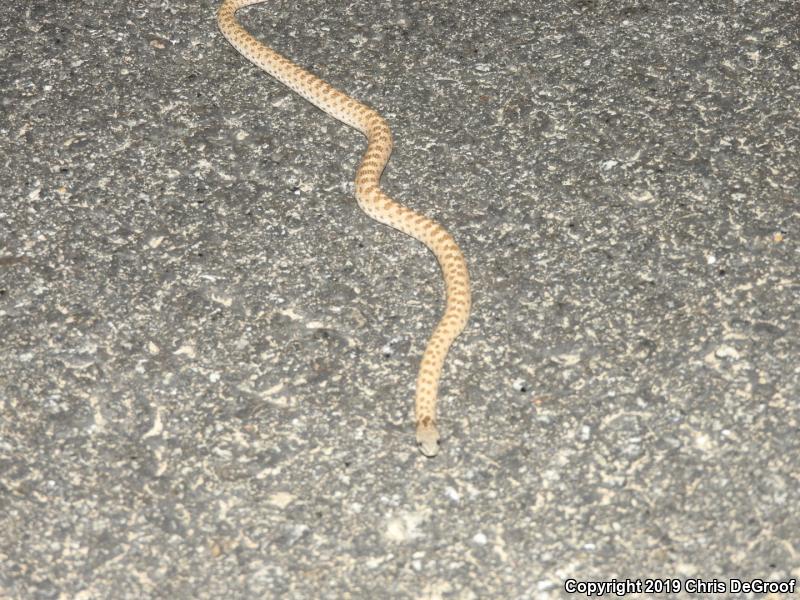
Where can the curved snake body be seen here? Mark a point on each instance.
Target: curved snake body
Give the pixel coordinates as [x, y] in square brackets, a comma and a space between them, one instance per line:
[377, 205]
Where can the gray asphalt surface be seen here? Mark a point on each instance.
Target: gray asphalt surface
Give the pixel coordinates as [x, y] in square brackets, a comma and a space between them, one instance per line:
[207, 352]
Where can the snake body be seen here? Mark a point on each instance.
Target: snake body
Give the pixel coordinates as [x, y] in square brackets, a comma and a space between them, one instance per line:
[377, 205]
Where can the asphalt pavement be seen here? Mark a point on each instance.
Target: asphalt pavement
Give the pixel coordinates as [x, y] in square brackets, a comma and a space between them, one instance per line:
[208, 352]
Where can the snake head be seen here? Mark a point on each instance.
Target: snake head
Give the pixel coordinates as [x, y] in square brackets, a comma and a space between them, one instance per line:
[428, 438]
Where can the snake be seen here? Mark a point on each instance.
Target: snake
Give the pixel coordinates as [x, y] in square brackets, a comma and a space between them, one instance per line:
[377, 205]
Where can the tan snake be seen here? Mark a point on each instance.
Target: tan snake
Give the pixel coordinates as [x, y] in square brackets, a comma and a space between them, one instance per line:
[377, 205]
